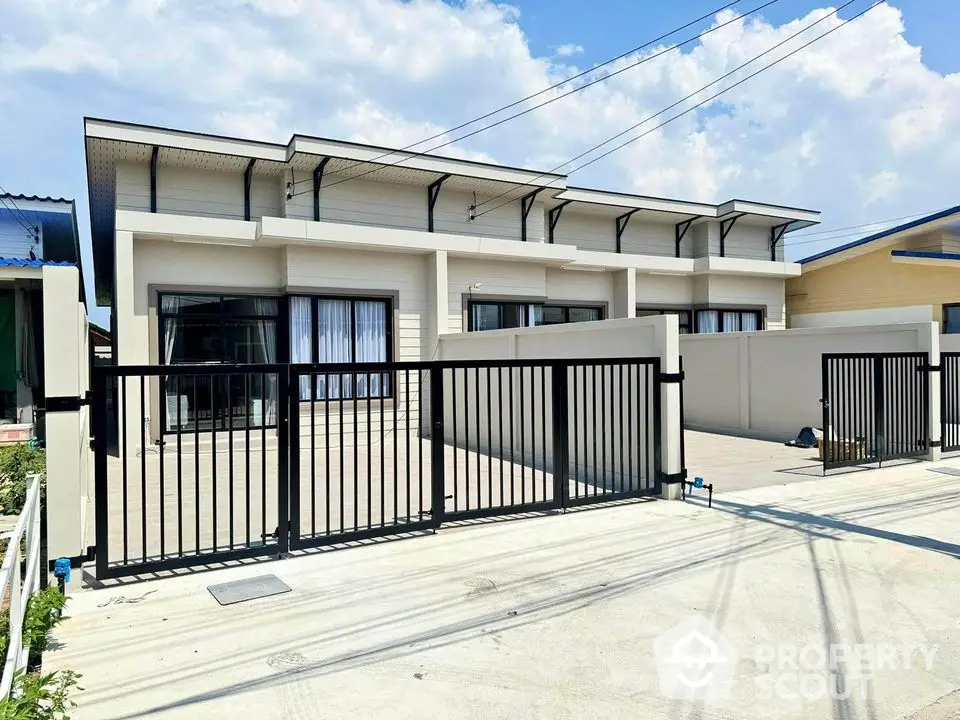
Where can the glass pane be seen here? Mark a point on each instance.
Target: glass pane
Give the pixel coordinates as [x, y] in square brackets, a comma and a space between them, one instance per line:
[748, 321]
[535, 315]
[951, 319]
[584, 314]
[707, 321]
[249, 341]
[250, 305]
[485, 316]
[190, 304]
[554, 316]
[731, 321]
[192, 340]
[512, 315]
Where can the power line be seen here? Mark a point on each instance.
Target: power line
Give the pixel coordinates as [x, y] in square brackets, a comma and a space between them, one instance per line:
[17, 214]
[541, 92]
[691, 95]
[864, 225]
[843, 236]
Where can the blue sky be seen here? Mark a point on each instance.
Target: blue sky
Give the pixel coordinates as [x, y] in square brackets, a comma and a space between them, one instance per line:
[860, 125]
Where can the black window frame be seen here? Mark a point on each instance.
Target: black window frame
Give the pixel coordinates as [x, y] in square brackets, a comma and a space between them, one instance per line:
[721, 312]
[681, 313]
[315, 299]
[567, 307]
[943, 318]
[525, 307]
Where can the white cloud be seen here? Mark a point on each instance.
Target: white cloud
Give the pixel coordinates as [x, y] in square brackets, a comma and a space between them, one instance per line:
[854, 125]
[568, 49]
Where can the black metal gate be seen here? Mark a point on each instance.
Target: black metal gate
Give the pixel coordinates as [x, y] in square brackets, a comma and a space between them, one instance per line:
[254, 460]
[875, 407]
[950, 401]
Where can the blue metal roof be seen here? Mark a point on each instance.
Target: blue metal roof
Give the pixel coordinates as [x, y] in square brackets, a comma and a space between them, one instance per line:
[26, 262]
[927, 254]
[885, 233]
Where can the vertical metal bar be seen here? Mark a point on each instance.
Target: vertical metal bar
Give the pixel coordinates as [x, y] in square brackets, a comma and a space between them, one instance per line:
[631, 369]
[122, 386]
[653, 471]
[383, 454]
[356, 449]
[396, 452]
[456, 450]
[437, 446]
[246, 458]
[466, 434]
[326, 452]
[489, 443]
[420, 419]
[163, 403]
[196, 461]
[291, 485]
[406, 398]
[100, 480]
[500, 425]
[654, 371]
[369, 457]
[229, 383]
[288, 455]
[878, 409]
[179, 473]
[683, 422]
[295, 387]
[263, 457]
[213, 453]
[603, 425]
[476, 393]
[576, 436]
[621, 440]
[143, 469]
[561, 434]
[341, 443]
[512, 436]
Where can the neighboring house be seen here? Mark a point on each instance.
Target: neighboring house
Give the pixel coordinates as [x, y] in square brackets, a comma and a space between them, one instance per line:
[35, 232]
[101, 345]
[909, 273]
[214, 249]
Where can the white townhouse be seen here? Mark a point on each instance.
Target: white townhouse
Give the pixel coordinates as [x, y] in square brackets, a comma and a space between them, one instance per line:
[218, 250]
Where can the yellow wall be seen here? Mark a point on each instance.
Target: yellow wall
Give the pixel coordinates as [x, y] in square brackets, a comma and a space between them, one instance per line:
[872, 281]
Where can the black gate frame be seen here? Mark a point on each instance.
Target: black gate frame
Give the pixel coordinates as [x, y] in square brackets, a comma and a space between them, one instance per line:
[289, 536]
[862, 392]
[949, 391]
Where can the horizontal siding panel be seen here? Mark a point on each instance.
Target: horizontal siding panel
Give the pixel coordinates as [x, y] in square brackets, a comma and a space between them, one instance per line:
[587, 232]
[645, 238]
[570, 285]
[371, 203]
[206, 193]
[748, 241]
[451, 215]
[505, 279]
[664, 290]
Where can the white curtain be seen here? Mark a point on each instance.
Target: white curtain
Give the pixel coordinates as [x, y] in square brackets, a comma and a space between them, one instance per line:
[748, 321]
[371, 343]
[301, 338]
[707, 321]
[535, 314]
[267, 336]
[731, 322]
[334, 333]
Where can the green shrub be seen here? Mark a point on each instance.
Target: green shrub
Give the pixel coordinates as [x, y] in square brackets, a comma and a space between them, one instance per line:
[16, 463]
[39, 697]
[44, 612]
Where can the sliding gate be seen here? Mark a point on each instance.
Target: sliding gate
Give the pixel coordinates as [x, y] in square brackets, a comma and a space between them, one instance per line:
[875, 407]
[222, 463]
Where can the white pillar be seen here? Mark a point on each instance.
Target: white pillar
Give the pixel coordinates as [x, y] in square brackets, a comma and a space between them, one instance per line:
[668, 341]
[67, 436]
[437, 303]
[625, 293]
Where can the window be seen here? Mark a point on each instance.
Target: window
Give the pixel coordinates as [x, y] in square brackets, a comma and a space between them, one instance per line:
[215, 329]
[341, 330]
[683, 317]
[951, 319]
[484, 315]
[562, 314]
[712, 321]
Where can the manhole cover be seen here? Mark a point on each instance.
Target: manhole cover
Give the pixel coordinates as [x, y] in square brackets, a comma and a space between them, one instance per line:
[249, 589]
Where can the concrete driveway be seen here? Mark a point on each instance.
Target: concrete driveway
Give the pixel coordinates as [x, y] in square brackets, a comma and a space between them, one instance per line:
[556, 617]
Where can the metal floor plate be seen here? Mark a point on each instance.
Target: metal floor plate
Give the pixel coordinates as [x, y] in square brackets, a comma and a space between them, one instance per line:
[248, 589]
[946, 471]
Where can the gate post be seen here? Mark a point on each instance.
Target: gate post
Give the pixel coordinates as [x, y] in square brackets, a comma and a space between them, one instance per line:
[561, 433]
[668, 419]
[930, 342]
[437, 445]
[285, 458]
[879, 411]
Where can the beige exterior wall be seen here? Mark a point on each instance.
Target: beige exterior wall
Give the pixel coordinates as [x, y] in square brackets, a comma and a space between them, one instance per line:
[872, 281]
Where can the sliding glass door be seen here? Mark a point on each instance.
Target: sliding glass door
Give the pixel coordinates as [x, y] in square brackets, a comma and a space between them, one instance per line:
[213, 330]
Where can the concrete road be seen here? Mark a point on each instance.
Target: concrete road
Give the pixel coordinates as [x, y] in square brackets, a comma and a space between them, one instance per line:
[556, 617]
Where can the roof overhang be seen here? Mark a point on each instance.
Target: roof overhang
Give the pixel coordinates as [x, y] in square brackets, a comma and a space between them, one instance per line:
[756, 213]
[881, 240]
[614, 204]
[920, 257]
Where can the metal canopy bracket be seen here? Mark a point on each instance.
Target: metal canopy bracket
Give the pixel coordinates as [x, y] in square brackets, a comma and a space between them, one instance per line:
[317, 180]
[725, 227]
[247, 180]
[680, 230]
[554, 217]
[153, 178]
[526, 203]
[621, 226]
[776, 235]
[433, 192]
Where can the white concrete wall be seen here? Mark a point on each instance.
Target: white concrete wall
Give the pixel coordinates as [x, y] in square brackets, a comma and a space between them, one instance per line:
[664, 290]
[66, 373]
[579, 286]
[768, 384]
[617, 339]
[950, 343]
[876, 316]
